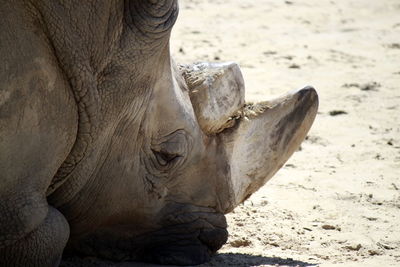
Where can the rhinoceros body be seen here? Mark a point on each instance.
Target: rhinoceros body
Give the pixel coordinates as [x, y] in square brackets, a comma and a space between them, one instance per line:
[110, 149]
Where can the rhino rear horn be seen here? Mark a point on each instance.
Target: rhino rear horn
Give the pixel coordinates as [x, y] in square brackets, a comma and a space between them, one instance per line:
[216, 92]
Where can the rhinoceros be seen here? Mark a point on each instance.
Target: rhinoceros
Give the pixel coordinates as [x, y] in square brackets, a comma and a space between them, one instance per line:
[108, 148]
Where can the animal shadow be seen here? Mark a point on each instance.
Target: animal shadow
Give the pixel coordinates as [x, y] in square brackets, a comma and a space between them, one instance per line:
[220, 260]
[246, 260]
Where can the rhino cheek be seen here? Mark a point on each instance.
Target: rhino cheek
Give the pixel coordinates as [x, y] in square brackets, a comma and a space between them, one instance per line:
[260, 145]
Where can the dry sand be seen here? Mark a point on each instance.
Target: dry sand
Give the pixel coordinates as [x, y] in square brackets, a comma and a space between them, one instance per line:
[337, 201]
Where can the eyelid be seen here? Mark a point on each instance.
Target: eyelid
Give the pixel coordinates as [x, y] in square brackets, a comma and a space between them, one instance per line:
[175, 143]
[170, 151]
[165, 158]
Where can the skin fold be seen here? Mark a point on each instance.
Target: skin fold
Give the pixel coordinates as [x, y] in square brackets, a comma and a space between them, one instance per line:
[108, 148]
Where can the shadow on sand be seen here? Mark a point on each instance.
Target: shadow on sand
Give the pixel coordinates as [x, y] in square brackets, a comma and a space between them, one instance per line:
[220, 260]
[246, 260]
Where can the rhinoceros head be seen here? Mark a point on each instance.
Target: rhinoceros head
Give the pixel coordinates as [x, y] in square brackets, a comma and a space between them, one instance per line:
[184, 153]
[199, 152]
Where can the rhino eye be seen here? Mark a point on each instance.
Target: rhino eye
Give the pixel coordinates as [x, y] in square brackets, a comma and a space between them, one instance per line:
[170, 151]
[164, 158]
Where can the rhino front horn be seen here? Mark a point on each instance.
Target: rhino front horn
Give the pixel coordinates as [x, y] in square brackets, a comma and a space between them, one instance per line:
[266, 135]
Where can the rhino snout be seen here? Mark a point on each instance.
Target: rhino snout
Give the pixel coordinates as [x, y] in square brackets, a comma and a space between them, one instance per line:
[189, 235]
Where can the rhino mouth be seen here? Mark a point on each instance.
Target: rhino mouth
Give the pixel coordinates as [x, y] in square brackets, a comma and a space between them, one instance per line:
[190, 235]
[187, 236]
[185, 244]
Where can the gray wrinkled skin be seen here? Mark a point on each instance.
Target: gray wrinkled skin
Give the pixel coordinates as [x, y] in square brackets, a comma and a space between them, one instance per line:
[109, 149]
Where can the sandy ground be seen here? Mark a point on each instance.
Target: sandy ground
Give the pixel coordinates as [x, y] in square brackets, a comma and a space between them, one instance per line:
[337, 201]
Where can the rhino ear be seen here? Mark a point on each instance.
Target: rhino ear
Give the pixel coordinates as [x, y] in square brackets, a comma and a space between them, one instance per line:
[217, 93]
[151, 19]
